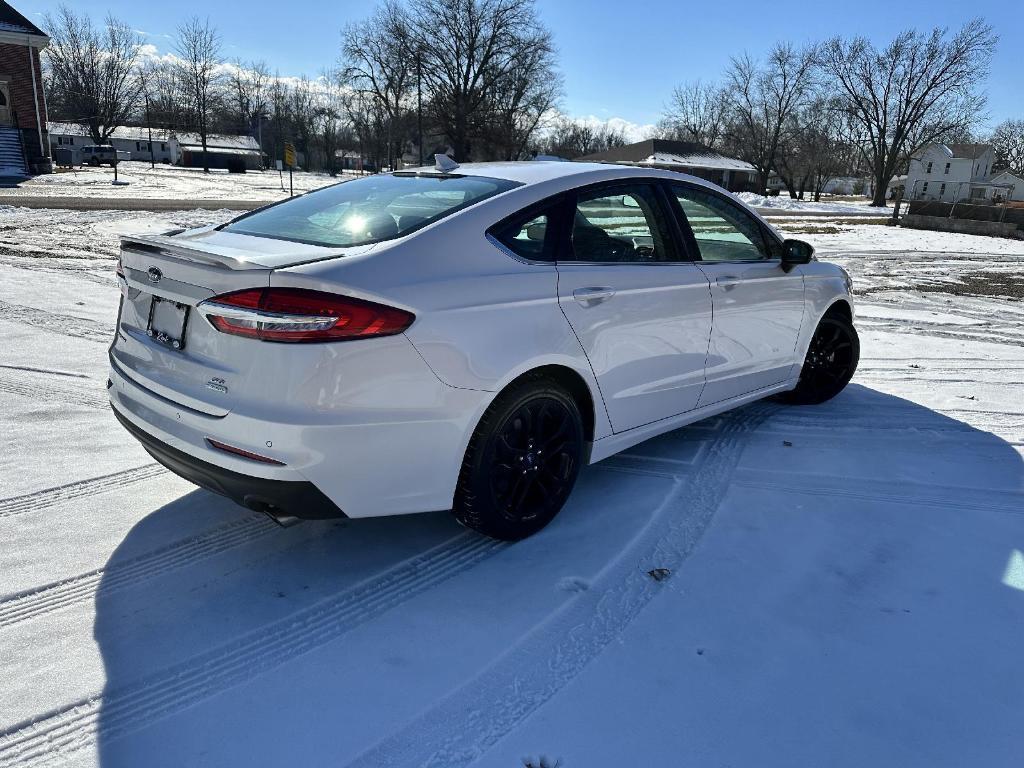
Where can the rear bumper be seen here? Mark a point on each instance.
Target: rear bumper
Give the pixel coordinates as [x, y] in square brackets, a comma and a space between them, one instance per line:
[280, 498]
[370, 441]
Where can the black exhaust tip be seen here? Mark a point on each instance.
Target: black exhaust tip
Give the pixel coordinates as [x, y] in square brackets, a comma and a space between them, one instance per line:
[275, 513]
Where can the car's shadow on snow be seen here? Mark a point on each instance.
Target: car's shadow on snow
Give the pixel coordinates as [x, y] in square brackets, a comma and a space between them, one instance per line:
[215, 624]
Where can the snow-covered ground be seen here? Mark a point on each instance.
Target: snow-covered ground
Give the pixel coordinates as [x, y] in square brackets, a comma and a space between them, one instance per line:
[844, 584]
[166, 182]
[784, 202]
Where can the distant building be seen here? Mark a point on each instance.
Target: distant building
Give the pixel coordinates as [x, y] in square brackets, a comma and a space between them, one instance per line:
[174, 147]
[950, 172]
[348, 160]
[897, 188]
[684, 157]
[131, 139]
[23, 145]
[838, 185]
[1002, 187]
[222, 150]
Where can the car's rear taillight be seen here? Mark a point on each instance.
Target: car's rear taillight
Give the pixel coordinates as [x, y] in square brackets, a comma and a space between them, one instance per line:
[300, 315]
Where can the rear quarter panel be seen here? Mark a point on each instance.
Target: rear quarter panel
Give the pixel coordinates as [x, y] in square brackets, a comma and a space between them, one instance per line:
[482, 317]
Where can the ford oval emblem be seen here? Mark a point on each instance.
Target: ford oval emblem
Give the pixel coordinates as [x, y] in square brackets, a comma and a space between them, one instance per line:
[155, 274]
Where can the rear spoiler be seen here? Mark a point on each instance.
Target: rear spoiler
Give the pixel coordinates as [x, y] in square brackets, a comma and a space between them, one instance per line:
[164, 245]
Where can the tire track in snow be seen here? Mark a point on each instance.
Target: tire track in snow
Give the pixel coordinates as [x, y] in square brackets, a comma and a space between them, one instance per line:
[942, 331]
[983, 500]
[44, 263]
[465, 724]
[16, 505]
[82, 588]
[32, 387]
[969, 423]
[68, 325]
[56, 735]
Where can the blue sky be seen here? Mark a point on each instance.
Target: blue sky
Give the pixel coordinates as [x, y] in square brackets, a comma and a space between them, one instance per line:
[619, 59]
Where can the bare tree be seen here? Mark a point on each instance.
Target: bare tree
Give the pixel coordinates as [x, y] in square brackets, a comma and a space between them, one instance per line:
[303, 107]
[1008, 142]
[248, 84]
[469, 48]
[697, 112]
[571, 139]
[762, 100]
[825, 144]
[522, 99]
[92, 72]
[161, 85]
[918, 88]
[329, 124]
[377, 59]
[198, 46]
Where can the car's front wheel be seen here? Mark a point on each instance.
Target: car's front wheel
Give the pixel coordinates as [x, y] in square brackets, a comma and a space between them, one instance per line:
[831, 361]
[522, 461]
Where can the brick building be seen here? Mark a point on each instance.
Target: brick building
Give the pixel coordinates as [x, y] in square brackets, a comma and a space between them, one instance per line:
[23, 144]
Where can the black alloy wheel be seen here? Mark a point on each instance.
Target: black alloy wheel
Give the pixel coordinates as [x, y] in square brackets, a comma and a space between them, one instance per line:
[831, 361]
[522, 461]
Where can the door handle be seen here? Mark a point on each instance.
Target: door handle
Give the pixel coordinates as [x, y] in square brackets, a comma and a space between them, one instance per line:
[588, 297]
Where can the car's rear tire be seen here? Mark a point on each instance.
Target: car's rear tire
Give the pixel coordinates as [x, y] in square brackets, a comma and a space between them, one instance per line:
[522, 461]
[831, 361]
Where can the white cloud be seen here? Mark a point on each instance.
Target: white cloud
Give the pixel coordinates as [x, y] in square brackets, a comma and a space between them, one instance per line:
[631, 130]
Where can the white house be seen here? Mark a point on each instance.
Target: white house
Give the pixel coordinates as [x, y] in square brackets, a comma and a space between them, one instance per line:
[169, 147]
[130, 139]
[1003, 186]
[949, 172]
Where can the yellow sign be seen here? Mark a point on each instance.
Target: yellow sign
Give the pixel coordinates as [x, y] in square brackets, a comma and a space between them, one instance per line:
[289, 154]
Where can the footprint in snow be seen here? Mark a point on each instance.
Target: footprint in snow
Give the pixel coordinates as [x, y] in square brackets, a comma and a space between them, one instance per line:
[573, 584]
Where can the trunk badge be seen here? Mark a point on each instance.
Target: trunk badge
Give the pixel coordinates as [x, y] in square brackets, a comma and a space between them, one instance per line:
[155, 275]
[217, 385]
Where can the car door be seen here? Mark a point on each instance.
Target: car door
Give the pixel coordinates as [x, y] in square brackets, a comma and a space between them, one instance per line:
[758, 306]
[639, 307]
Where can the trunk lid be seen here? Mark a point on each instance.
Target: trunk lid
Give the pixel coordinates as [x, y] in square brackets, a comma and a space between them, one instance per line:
[165, 277]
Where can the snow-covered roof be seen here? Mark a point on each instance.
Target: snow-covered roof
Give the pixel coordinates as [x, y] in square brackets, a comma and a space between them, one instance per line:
[216, 141]
[220, 150]
[971, 151]
[675, 155]
[127, 132]
[710, 161]
[1007, 177]
[955, 151]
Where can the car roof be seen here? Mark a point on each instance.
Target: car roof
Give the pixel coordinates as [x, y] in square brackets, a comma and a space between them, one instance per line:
[537, 171]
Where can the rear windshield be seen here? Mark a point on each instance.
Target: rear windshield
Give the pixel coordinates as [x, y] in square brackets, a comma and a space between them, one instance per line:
[368, 210]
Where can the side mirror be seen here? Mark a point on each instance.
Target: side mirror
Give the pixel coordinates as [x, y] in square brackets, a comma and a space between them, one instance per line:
[796, 252]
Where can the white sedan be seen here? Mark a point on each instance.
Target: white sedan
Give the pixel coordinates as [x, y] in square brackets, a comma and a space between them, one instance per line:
[463, 338]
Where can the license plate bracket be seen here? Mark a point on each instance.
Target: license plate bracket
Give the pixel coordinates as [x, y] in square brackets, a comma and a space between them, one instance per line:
[167, 323]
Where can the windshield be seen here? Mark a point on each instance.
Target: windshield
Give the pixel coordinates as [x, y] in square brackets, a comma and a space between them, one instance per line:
[368, 210]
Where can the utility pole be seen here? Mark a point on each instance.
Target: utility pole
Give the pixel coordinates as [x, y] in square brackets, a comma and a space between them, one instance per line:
[149, 127]
[419, 100]
[259, 130]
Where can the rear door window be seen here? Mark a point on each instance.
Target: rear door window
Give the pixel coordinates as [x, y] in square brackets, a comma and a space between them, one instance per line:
[528, 235]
